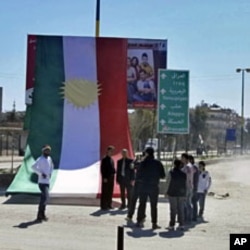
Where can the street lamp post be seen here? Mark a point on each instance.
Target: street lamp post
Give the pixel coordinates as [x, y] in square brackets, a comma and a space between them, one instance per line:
[242, 105]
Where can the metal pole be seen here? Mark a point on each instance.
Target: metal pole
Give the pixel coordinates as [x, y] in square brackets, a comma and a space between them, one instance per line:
[12, 159]
[97, 23]
[120, 238]
[242, 111]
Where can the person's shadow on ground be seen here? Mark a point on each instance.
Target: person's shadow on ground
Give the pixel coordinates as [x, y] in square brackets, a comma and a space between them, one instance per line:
[140, 232]
[172, 234]
[112, 212]
[196, 223]
[27, 224]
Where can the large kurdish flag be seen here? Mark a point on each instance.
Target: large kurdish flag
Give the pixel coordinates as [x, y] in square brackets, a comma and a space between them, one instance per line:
[77, 96]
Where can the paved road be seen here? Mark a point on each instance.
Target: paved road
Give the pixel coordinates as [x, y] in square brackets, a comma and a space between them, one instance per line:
[74, 227]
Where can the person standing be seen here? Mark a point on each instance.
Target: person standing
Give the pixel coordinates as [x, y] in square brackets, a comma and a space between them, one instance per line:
[108, 173]
[135, 190]
[43, 167]
[149, 174]
[176, 191]
[189, 171]
[125, 177]
[204, 184]
[195, 187]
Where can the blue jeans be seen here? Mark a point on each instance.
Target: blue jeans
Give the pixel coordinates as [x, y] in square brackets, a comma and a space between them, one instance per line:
[176, 208]
[189, 206]
[44, 198]
[201, 200]
[131, 89]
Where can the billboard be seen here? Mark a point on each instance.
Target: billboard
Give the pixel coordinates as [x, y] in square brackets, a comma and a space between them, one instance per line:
[145, 57]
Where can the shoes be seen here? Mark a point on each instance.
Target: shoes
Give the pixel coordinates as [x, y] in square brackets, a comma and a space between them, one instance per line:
[139, 224]
[128, 219]
[200, 217]
[122, 207]
[45, 218]
[41, 218]
[104, 208]
[170, 228]
[181, 228]
[155, 226]
[110, 207]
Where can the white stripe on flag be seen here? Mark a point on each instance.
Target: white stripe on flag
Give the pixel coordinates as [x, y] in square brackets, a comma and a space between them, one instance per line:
[79, 163]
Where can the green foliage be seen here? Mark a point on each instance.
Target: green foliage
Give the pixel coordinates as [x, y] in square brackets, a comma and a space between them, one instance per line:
[142, 126]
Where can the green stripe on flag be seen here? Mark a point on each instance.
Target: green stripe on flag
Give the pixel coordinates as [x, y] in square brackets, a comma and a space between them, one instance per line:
[46, 120]
[46, 125]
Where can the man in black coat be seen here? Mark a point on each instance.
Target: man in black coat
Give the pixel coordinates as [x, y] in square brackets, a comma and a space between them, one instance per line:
[125, 177]
[108, 173]
[148, 176]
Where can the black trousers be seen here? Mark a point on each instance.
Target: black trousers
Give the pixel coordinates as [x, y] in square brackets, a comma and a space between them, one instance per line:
[151, 191]
[134, 198]
[107, 193]
[125, 188]
[43, 199]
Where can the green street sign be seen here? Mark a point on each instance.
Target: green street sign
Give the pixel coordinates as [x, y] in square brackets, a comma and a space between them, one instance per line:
[173, 102]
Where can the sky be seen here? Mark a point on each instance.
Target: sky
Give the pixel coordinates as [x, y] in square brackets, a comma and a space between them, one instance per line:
[209, 38]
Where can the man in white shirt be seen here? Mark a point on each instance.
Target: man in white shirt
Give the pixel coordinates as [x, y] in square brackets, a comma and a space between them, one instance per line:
[43, 167]
[189, 171]
[204, 184]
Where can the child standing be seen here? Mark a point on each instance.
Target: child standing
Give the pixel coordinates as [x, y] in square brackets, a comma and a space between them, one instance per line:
[204, 184]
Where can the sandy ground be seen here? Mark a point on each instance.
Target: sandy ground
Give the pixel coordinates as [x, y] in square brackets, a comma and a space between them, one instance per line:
[77, 227]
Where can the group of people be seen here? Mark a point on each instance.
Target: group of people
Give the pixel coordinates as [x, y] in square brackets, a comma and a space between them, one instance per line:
[187, 185]
[140, 80]
[139, 179]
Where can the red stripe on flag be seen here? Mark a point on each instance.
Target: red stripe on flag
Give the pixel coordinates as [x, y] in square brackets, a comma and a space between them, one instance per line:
[111, 72]
[31, 59]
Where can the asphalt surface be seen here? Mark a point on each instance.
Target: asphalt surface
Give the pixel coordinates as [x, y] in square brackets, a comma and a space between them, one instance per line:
[84, 227]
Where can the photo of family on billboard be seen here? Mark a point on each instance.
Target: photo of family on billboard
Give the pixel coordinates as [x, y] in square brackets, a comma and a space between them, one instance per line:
[144, 59]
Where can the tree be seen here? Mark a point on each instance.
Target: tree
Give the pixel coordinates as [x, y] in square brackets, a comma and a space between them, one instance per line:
[142, 126]
[198, 126]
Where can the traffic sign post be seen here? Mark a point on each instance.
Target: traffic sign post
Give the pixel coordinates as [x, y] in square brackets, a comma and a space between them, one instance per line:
[173, 102]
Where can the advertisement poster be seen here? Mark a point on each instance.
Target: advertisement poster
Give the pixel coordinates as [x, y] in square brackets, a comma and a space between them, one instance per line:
[144, 58]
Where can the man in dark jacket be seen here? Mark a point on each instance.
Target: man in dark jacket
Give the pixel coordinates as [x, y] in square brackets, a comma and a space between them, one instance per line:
[107, 172]
[135, 191]
[125, 177]
[148, 176]
[176, 191]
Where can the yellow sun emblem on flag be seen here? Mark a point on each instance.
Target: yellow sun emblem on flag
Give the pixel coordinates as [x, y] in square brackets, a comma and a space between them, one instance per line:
[81, 93]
